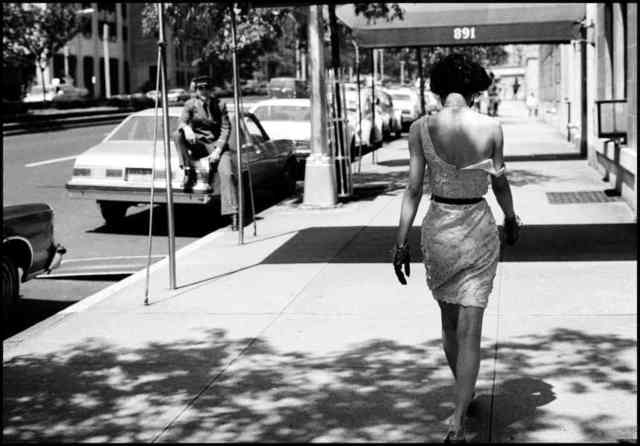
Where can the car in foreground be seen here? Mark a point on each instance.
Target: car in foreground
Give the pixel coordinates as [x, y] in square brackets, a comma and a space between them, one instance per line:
[118, 171]
[28, 248]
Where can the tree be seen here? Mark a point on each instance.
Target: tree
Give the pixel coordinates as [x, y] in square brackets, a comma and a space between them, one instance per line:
[36, 31]
[258, 30]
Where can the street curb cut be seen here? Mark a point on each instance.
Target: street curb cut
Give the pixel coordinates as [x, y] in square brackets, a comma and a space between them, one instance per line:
[116, 287]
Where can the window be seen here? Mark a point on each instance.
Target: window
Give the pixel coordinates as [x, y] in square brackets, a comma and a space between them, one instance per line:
[125, 33]
[254, 130]
[124, 10]
[85, 26]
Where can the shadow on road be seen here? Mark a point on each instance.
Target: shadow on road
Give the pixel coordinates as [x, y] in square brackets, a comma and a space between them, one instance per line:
[380, 390]
[28, 312]
[189, 220]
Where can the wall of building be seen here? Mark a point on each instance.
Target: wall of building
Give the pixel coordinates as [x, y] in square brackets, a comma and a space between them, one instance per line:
[614, 66]
[133, 56]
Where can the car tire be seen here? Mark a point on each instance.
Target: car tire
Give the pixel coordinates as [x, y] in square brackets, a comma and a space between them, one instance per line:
[10, 287]
[113, 212]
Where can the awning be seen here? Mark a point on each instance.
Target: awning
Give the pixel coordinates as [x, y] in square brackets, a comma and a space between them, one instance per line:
[427, 24]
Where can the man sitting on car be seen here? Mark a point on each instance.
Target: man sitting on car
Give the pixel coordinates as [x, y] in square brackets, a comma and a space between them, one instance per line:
[204, 131]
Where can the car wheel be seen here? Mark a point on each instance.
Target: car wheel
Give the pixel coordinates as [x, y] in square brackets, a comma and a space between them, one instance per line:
[10, 287]
[113, 212]
[289, 179]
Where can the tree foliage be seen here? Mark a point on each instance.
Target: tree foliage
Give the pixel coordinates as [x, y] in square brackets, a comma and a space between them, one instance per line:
[34, 32]
[258, 29]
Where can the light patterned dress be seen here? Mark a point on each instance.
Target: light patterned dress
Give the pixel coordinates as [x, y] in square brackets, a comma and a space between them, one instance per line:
[460, 243]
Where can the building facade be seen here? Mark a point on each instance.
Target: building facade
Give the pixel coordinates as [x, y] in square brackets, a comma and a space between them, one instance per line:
[132, 56]
[610, 73]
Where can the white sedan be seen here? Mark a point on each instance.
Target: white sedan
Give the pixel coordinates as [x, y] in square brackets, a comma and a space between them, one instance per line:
[291, 118]
[118, 171]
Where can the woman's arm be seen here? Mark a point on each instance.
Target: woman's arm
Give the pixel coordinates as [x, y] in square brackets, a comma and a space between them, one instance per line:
[500, 184]
[413, 192]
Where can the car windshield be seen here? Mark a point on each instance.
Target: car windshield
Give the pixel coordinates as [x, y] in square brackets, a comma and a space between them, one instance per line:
[140, 128]
[283, 113]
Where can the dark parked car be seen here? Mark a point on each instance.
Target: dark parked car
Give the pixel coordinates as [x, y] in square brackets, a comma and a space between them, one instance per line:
[288, 87]
[28, 248]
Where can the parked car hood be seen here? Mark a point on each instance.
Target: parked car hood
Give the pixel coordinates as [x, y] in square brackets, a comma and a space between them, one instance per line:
[287, 129]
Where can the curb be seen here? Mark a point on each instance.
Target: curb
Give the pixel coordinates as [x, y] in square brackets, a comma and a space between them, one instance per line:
[107, 292]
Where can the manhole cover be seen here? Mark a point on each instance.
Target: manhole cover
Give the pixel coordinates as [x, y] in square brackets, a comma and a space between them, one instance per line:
[585, 196]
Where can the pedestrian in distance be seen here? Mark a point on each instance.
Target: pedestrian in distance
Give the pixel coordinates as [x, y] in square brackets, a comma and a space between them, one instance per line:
[461, 149]
[204, 131]
[532, 104]
[494, 96]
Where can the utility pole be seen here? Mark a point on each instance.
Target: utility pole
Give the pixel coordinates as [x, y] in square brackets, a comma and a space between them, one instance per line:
[105, 46]
[167, 147]
[421, 74]
[320, 182]
[402, 72]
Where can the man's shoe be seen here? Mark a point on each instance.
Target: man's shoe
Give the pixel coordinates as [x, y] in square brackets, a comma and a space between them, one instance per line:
[189, 179]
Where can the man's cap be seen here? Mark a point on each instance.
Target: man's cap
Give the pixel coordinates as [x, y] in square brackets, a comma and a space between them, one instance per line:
[202, 81]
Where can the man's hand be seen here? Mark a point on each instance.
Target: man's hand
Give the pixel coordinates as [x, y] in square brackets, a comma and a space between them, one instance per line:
[401, 258]
[189, 134]
[215, 155]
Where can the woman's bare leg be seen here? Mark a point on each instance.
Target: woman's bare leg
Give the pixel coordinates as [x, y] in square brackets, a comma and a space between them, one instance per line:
[449, 318]
[468, 362]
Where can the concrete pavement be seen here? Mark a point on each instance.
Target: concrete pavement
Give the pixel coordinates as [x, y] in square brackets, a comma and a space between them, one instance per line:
[304, 334]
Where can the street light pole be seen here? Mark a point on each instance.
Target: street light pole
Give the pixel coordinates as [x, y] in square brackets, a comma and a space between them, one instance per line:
[167, 148]
[236, 125]
[105, 42]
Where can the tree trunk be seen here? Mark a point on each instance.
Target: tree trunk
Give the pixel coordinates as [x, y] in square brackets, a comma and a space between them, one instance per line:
[44, 88]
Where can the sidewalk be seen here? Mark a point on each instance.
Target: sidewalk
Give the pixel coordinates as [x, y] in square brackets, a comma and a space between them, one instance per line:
[304, 334]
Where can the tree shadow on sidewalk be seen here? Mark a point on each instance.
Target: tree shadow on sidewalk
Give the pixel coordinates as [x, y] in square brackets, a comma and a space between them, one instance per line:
[537, 243]
[247, 390]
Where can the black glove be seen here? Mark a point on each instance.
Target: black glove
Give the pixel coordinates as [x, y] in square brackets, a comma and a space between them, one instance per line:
[401, 257]
[512, 229]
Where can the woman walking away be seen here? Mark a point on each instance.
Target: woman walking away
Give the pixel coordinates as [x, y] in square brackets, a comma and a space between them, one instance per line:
[461, 148]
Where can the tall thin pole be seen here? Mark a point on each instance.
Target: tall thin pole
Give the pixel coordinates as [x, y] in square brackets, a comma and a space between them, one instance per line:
[236, 125]
[421, 74]
[359, 106]
[167, 148]
[373, 101]
[107, 66]
[584, 104]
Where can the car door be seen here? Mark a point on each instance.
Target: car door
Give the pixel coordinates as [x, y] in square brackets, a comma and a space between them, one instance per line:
[256, 149]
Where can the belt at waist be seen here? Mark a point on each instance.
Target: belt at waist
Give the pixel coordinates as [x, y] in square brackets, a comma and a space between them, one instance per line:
[456, 200]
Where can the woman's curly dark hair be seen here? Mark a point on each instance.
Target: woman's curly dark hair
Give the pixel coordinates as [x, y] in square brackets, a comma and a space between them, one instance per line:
[458, 73]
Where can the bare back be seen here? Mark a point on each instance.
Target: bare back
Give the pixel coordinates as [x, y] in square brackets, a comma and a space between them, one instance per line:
[461, 136]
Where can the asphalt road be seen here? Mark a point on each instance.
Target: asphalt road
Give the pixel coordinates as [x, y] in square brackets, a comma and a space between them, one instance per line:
[36, 168]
